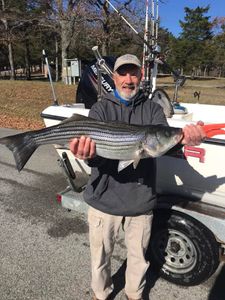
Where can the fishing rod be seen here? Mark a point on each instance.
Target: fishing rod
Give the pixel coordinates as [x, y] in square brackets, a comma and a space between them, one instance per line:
[151, 48]
[132, 27]
[146, 84]
[50, 77]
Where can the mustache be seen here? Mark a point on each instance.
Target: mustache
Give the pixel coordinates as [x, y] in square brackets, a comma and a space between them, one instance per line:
[129, 85]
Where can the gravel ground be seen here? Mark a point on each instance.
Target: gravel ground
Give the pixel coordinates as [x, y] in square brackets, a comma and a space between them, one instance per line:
[44, 249]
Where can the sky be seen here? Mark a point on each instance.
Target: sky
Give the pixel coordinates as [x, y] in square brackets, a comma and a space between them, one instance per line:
[171, 11]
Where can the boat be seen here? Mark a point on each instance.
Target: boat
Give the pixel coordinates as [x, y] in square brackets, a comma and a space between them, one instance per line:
[188, 234]
[190, 215]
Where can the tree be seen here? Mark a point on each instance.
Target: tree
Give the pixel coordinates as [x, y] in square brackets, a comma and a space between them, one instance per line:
[6, 37]
[20, 21]
[196, 27]
[219, 45]
[190, 49]
[111, 32]
[72, 27]
[102, 26]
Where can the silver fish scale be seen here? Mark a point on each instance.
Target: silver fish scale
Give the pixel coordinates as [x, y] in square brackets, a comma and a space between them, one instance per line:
[114, 129]
[103, 135]
[112, 145]
[112, 126]
[113, 140]
[122, 153]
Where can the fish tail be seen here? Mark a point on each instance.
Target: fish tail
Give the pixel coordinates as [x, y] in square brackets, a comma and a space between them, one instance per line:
[22, 146]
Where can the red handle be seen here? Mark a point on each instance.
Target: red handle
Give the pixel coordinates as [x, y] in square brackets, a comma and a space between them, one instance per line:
[214, 129]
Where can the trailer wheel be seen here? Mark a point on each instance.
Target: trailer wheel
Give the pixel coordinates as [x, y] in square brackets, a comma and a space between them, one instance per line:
[183, 250]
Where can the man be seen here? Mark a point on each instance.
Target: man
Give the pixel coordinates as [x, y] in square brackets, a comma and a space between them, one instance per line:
[127, 196]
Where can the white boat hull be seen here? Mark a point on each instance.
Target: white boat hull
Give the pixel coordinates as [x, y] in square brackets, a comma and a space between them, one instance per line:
[201, 175]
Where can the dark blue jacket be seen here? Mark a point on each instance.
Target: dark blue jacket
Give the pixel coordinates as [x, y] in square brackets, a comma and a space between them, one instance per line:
[130, 192]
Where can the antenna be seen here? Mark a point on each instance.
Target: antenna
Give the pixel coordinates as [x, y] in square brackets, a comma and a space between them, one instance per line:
[153, 23]
[154, 39]
[145, 48]
[157, 21]
[150, 53]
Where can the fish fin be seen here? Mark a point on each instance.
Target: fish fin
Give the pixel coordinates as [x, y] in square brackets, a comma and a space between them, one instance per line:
[76, 117]
[22, 146]
[150, 152]
[124, 163]
[135, 163]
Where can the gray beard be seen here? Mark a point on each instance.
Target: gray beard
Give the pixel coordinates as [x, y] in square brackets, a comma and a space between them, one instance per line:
[127, 98]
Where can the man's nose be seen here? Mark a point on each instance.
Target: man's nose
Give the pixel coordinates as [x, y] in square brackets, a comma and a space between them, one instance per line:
[128, 78]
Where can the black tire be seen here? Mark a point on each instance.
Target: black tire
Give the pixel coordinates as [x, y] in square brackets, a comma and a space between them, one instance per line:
[182, 249]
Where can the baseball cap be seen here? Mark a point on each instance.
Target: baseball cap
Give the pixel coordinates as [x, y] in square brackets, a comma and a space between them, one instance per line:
[127, 59]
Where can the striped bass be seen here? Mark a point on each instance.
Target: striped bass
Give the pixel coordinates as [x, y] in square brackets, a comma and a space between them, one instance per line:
[114, 140]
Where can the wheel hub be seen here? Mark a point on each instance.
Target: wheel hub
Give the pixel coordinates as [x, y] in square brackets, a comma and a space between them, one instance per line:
[174, 247]
[177, 251]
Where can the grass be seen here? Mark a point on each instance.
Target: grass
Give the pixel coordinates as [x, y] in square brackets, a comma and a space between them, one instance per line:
[21, 102]
[211, 91]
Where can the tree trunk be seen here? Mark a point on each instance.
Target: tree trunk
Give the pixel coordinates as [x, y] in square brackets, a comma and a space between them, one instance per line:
[105, 43]
[10, 48]
[104, 49]
[11, 62]
[66, 33]
[56, 59]
[27, 60]
[205, 71]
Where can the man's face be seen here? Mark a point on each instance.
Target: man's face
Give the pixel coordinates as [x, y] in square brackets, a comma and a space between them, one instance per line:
[127, 79]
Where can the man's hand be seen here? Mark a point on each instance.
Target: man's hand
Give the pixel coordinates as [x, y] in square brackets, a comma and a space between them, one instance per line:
[83, 148]
[193, 134]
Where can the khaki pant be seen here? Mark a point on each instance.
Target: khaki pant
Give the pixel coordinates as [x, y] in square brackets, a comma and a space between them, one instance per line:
[103, 229]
